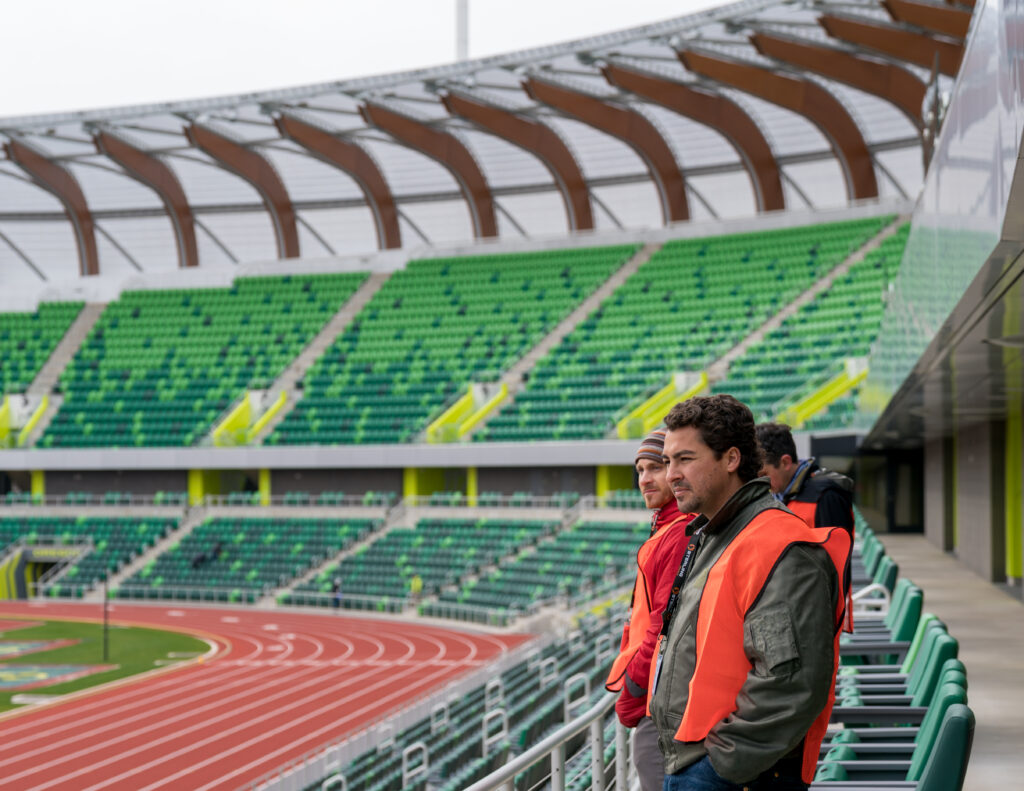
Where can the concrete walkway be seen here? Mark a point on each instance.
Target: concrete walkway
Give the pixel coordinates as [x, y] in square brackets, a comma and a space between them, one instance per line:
[990, 627]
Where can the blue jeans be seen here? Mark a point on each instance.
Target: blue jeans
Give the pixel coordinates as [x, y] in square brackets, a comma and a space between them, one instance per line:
[702, 776]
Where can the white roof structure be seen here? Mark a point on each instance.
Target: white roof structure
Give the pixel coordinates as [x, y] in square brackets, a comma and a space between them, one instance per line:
[762, 105]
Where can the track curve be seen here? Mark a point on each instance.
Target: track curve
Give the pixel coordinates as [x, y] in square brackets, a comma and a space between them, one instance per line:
[274, 686]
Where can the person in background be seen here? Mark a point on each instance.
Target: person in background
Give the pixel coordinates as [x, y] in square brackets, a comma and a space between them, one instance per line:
[744, 675]
[657, 561]
[821, 497]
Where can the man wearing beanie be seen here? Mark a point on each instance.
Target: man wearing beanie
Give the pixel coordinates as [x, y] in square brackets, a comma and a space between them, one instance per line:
[658, 560]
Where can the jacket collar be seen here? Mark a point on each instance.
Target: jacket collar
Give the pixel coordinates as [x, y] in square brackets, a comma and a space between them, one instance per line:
[669, 512]
[806, 469]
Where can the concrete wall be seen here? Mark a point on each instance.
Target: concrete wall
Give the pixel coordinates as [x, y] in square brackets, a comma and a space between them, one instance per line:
[101, 481]
[979, 513]
[536, 480]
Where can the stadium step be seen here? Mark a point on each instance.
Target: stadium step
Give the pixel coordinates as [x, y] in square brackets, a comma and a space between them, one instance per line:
[293, 374]
[514, 376]
[192, 518]
[393, 517]
[65, 350]
[720, 368]
[50, 372]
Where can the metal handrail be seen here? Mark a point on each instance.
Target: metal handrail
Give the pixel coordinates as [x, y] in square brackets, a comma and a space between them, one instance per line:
[554, 746]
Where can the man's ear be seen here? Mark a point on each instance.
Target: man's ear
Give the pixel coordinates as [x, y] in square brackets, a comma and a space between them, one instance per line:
[786, 461]
[733, 457]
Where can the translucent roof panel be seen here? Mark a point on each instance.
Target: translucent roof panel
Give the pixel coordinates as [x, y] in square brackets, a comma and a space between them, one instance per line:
[599, 155]
[233, 221]
[19, 194]
[348, 231]
[822, 182]
[149, 241]
[634, 205]
[502, 163]
[208, 184]
[106, 187]
[694, 144]
[248, 236]
[440, 221]
[49, 245]
[307, 178]
[539, 213]
[407, 172]
[729, 194]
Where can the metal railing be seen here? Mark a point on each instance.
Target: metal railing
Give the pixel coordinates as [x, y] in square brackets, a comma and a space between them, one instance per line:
[553, 750]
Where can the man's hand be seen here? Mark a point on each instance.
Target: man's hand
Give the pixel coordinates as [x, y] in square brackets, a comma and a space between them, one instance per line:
[630, 707]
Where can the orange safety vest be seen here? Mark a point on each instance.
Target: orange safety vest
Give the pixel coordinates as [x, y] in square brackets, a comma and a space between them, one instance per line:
[808, 512]
[733, 585]
[634, 632]
[805, 511]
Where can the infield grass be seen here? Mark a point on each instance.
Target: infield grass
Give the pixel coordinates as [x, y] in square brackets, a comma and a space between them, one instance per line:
[132, 649]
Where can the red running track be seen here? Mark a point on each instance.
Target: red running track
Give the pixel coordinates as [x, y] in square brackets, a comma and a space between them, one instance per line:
[275, 686]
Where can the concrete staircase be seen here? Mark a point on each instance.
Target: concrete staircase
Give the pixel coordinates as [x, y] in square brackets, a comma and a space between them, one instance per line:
[396, 517]
[48, 375]
[514, 376]
[719, 369]
[72, 341]
[292, 375]
[193, 517]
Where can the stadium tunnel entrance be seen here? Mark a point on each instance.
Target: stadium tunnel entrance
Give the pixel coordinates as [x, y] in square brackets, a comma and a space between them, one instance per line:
[28, 565]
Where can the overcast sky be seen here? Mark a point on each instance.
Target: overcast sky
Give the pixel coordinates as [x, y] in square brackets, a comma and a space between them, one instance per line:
[58, 55]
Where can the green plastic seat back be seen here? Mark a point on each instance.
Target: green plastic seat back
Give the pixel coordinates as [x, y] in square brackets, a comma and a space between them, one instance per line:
[921, 685]
[947, 760]
[923, 626]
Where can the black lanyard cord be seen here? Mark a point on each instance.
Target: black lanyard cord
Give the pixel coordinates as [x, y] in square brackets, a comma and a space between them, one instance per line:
[684, 572]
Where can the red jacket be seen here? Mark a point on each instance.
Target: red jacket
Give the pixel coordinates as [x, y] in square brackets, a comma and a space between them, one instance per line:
[658, 562]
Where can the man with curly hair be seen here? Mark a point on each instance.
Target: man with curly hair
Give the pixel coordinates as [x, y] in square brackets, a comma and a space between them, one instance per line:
[744, 678]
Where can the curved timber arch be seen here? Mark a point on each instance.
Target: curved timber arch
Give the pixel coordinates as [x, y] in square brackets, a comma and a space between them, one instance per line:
[448, 151]
[806, 98]
[539, 140]
[885, 80]
[721, 114]
[632, 129]
[149, 170]
[60, 182]
[255, 169]
[358, 164]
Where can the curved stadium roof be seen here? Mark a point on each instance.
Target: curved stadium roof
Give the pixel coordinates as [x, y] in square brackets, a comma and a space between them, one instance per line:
[756, 106]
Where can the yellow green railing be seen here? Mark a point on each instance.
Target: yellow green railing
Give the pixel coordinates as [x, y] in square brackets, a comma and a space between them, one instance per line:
[267, 416]
[855, 370]
[243, 423]
[234, 428]
[33, 421]
[5, 423]
[651, 412]
[462, 416]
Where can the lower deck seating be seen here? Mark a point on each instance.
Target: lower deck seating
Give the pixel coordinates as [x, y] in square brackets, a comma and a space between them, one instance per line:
[106, 543]
[236, 559]
[438, 552]
[586, 559]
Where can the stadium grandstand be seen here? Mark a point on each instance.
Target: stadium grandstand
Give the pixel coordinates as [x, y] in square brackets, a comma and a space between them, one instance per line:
[371, 358]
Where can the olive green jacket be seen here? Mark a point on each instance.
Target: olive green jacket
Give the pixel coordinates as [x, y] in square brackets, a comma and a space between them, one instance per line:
[782, 694]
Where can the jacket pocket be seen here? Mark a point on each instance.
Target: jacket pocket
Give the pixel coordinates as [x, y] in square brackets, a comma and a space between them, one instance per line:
[770, 641]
